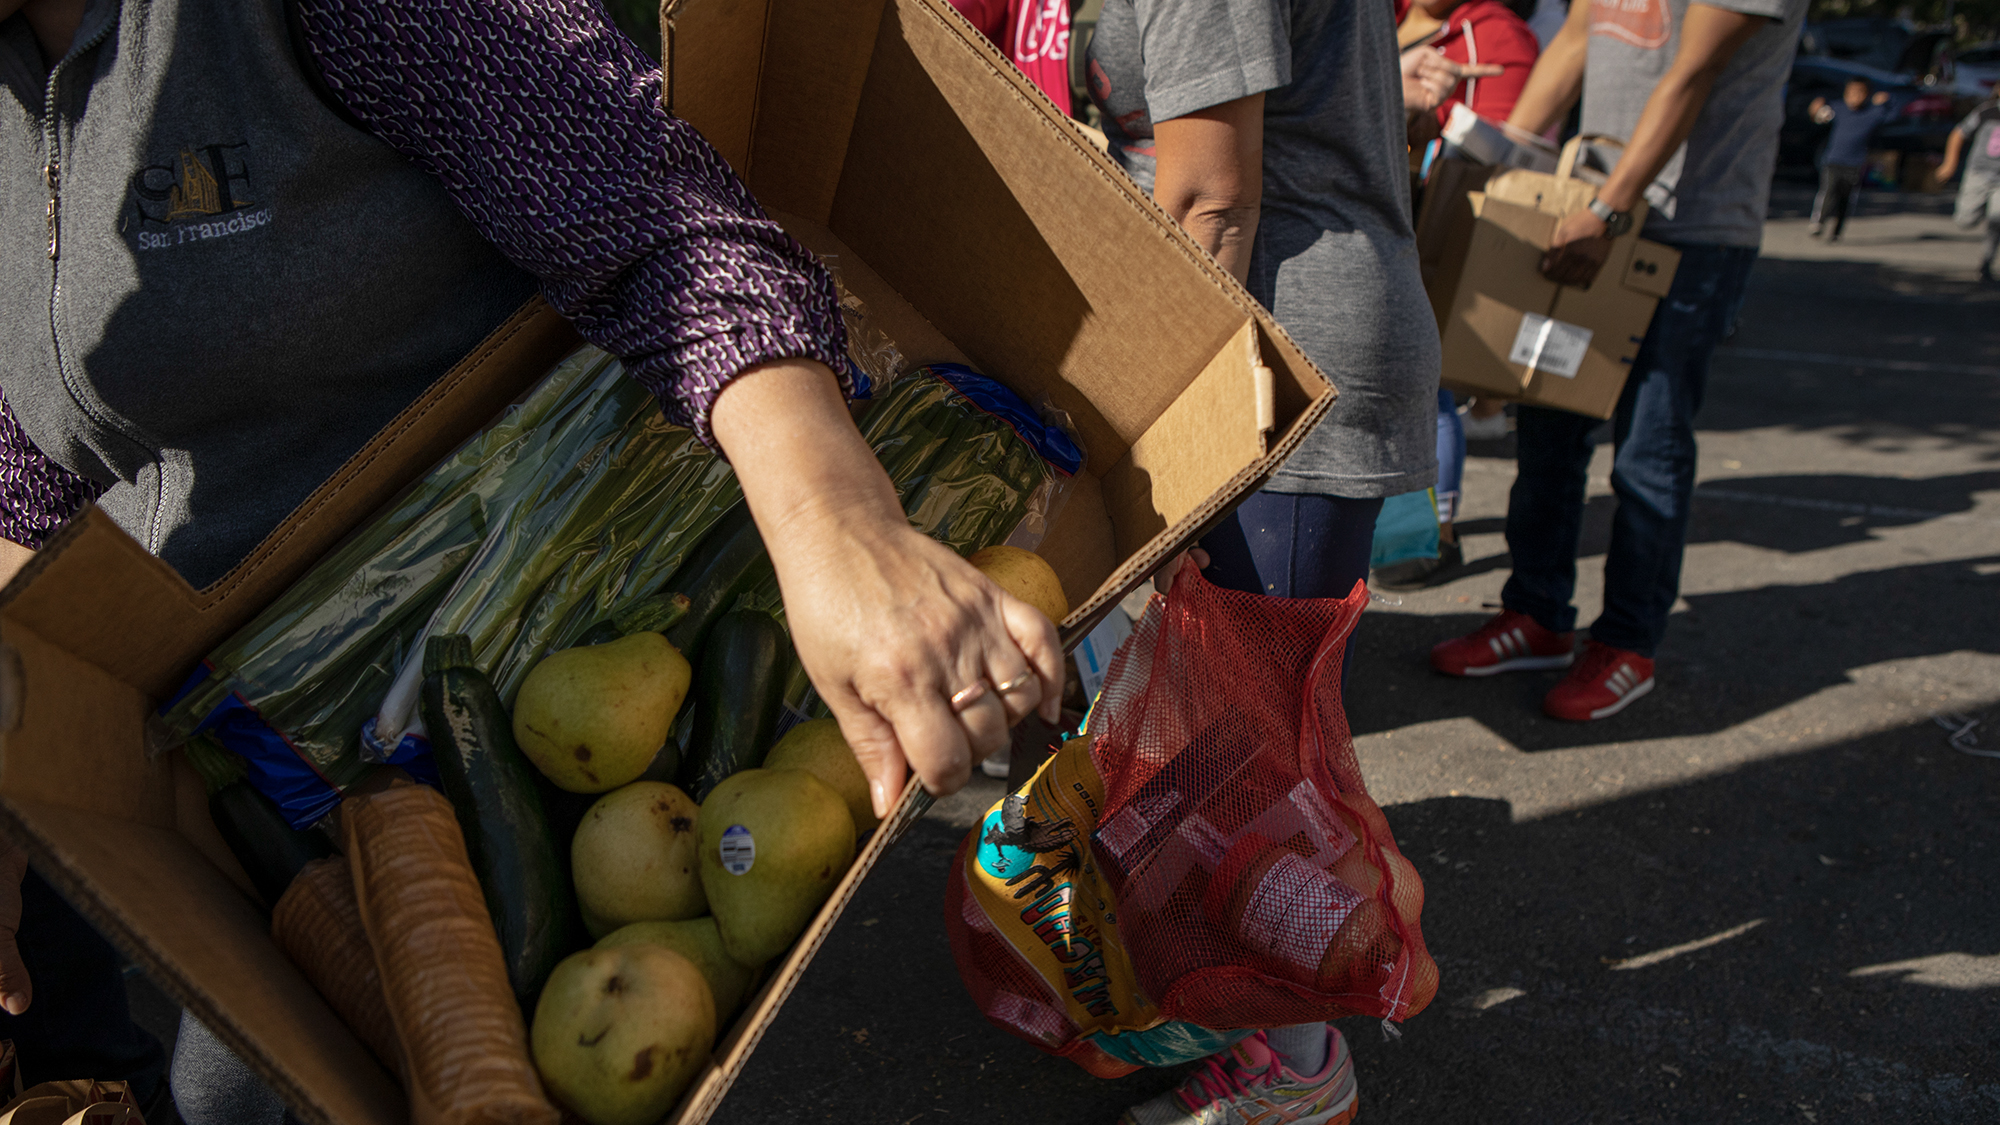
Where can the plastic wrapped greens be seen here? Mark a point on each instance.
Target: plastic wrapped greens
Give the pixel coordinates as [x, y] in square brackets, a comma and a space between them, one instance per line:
[579, 497]
[578, 503]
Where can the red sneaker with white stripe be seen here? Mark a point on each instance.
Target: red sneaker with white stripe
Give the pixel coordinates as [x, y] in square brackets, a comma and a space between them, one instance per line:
[1602, 684]
[1510, 642]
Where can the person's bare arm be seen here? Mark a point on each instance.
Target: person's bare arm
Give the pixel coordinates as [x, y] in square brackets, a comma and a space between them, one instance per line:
[1557, 80]
[889, 623]
[1710, 37]
[1954, 146]
[1209, 175]
[1429, 78]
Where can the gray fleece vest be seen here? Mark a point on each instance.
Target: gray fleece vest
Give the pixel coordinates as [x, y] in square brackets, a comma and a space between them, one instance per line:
[244, 287]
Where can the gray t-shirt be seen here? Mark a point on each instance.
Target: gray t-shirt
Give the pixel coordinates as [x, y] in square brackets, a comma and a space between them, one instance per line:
[1334, 260]
[1982, 138]
[1722, 176]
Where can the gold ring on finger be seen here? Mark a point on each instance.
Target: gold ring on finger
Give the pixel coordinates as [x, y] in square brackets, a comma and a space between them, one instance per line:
[1016, 684]
[967, 696]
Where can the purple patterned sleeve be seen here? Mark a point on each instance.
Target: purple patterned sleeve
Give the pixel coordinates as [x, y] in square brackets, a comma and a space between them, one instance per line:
[545, 126]
[36, 495]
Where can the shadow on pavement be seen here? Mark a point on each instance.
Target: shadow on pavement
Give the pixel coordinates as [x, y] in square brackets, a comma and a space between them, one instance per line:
[881, 1029]
[1728, 658]
[1875, 855]
[1793, 513]
[1852, 912]
[1811, 512]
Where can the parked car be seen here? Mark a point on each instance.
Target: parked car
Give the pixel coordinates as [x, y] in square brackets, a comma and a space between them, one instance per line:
[1889, 45]
[1977, 67]
[1923, 115]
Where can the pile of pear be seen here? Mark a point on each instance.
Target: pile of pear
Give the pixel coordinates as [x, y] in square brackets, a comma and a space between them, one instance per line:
[622, 1028]
[683, 928]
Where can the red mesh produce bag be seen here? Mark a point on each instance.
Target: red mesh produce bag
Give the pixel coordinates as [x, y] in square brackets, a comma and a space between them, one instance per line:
[1206, 862]
[1258, 883]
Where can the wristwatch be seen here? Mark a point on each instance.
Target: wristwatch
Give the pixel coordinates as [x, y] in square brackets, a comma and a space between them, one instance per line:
[1616, 223]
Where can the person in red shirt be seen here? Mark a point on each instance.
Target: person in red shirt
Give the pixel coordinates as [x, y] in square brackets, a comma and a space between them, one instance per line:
[1484, 32]
[1034, 34]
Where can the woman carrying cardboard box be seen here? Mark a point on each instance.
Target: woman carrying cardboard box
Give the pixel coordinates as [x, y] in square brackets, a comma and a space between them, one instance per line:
[238, 239]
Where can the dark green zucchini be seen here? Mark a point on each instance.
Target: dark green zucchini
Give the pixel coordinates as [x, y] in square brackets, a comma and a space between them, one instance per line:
[797, 684]
[271, 851]
[602, 633]
[656, 614]
[666, 765]
[507, 836]
[738, 692]
[729, 561]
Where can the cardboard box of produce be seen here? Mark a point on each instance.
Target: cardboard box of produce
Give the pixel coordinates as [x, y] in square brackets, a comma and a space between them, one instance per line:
[976, 223]
[1510, 333]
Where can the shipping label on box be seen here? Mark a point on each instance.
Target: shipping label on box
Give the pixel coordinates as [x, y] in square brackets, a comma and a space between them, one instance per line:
[1547, 344]
[1513, 334]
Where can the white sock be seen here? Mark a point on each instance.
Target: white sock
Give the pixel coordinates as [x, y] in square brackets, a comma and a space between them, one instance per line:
[1301, 1047]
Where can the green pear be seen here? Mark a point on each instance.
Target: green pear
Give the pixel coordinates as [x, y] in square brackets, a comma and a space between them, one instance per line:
[699, 941]
[592, 718]
[818, 748]
[774, 844]
[633, 857]
[619, 1033]
[1026, 575]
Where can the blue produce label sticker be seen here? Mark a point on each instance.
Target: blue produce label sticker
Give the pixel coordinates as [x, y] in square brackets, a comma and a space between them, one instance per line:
[738, 850]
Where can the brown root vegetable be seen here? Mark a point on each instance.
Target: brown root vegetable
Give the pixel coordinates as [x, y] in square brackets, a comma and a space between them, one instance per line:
[465, 1046]
[317, 924]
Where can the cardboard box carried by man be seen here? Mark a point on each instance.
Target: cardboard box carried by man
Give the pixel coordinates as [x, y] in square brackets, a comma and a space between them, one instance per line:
[1510, 333]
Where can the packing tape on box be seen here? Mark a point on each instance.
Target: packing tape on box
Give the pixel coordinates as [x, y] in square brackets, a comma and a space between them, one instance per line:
[1547, 344]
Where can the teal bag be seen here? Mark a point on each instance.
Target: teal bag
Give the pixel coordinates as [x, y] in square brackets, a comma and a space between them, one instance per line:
[1406, 529]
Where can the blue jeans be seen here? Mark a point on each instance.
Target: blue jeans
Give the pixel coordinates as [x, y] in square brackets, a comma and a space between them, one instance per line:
[1652, 474]
[1451, 456]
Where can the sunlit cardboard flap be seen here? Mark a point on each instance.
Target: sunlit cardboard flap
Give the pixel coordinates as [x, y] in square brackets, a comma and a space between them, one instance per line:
[898, 129]
[977, 223]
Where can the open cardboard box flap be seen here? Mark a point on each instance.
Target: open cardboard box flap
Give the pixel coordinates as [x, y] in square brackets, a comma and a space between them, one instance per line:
[975, 222]
[905, 136]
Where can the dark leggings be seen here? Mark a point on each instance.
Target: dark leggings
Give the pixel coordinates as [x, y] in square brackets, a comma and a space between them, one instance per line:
[1294, 545]
[1837, 186]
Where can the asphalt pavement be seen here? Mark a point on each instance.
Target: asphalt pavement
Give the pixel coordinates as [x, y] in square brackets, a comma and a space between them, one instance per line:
[1767, 893]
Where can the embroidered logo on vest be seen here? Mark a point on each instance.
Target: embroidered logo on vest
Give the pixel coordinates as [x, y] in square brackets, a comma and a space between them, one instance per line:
[194, 197]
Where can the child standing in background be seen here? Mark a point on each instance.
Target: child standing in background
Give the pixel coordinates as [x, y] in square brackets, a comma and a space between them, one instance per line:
[1855, 118]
